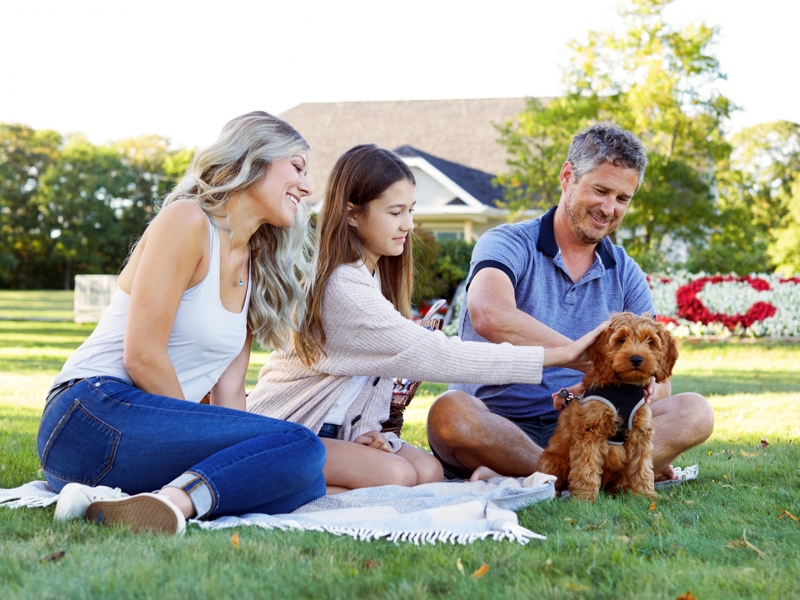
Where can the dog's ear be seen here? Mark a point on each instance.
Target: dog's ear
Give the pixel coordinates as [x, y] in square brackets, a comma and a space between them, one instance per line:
[598, 356]
[669, 356]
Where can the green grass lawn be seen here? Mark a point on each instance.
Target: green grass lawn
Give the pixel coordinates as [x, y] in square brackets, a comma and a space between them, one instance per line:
[44, 305]
[692, 539]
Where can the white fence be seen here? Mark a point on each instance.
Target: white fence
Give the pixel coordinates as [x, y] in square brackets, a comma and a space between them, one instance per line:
[92, 296]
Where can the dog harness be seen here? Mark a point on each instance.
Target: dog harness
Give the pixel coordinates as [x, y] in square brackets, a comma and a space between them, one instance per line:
[624, 399]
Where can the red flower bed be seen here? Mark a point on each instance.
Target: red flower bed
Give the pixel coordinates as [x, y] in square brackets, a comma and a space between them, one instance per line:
[690, 307]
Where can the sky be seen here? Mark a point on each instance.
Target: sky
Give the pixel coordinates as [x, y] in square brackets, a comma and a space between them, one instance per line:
[181, 69]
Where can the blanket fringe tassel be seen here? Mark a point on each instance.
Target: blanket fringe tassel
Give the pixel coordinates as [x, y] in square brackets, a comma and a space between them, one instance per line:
[510, 532]
[28, 502]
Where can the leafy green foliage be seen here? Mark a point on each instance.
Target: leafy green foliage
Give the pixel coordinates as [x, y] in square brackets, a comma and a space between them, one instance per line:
[439, 266]
[785, 246]
[69, 206]
[537, 142]
[714, 198]
[24, 155]
[768, 157]
[76, 206]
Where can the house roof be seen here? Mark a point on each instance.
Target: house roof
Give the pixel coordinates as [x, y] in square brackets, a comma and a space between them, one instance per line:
[475, 182]
[459, 131]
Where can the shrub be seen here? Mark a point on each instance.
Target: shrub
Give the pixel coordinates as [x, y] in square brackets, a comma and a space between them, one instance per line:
[439, 266]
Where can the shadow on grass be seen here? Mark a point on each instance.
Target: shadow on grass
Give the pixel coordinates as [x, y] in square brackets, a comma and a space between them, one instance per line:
[30, 365]
[724, 381]
[36, 334]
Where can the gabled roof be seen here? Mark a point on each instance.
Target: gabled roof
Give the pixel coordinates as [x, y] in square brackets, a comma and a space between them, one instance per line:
[477, 184]
[459, 131]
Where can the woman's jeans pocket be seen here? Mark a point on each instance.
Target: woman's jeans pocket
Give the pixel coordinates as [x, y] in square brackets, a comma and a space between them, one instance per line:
[81, 448]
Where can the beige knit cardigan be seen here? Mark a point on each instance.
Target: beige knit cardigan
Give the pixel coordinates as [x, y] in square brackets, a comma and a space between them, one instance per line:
[367, 336]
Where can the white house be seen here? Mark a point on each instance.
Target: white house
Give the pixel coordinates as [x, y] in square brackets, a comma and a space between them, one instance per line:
[450, 144]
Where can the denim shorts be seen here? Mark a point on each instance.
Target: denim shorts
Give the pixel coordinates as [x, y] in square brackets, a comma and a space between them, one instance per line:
[539, 429]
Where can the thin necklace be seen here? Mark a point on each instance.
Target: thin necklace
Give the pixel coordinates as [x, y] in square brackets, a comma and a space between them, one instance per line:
[241, 271]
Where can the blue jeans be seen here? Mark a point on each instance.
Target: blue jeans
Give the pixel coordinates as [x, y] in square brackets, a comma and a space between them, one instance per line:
[104, 431]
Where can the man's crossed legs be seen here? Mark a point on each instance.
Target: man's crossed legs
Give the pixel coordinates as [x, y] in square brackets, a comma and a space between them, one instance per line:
[464, 435]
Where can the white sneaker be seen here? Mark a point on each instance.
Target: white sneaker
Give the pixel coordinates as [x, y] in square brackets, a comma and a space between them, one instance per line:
[142, 512]
[75, 498]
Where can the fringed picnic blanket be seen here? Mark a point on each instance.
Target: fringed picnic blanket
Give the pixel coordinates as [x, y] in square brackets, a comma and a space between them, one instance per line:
[454, 512]
[31, 495]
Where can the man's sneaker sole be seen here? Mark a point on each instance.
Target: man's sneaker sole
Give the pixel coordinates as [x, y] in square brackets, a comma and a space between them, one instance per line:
[142, 512]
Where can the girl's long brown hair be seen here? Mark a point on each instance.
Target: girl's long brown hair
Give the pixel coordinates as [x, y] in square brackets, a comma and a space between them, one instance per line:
[360, 176]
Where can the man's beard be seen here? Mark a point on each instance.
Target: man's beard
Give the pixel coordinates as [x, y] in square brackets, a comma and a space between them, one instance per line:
[583, 234]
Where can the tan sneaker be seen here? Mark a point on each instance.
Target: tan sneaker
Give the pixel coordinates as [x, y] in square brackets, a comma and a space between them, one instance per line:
[75, 498]
[142, 512]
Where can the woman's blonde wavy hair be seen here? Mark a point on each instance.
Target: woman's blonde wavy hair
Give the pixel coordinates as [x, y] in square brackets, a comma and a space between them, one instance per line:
[238, 159]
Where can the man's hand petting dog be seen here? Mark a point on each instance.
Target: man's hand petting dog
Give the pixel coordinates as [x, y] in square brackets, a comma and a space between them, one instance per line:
[374, 439]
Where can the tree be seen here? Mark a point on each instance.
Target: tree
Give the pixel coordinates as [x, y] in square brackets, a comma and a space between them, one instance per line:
[734, 242]
[768, 156]
[537, 142]
[658, 82]
[24, 155]
[73, 207]
[81, 197]
[154, 170]
[755, 197]
[785, 247]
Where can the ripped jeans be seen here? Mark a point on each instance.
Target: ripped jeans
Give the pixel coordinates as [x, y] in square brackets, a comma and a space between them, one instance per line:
[104, 431]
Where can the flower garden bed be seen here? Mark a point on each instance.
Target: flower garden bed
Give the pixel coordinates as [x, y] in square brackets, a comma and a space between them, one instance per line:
[717, 307]
[724, 306]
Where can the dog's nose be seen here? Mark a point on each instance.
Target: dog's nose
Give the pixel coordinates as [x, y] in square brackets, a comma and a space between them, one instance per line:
[636, 360]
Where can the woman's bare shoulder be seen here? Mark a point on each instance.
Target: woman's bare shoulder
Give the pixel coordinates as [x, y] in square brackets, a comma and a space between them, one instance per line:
[183, 214]
[181, 223]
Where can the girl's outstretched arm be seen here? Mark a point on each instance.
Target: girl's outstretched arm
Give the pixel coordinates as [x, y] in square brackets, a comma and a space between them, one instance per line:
[574, 351]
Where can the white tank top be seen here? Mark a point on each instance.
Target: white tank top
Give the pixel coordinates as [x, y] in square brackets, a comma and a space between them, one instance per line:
[205, 337]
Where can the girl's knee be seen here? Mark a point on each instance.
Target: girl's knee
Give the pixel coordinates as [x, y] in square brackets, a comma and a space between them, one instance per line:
[401, 472]
[429, 470]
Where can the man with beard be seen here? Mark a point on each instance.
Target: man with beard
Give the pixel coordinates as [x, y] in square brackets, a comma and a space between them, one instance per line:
[545, 282]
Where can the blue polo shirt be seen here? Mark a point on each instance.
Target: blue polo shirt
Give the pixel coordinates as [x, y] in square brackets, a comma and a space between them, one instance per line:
[527, 252]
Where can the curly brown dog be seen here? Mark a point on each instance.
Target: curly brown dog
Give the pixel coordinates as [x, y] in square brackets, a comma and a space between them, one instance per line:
[605, 438]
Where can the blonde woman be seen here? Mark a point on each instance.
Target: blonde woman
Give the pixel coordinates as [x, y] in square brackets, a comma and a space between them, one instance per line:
[214, 268]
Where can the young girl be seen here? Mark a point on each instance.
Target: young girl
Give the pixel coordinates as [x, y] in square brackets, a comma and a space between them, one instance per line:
[214, 268]
[357, 336]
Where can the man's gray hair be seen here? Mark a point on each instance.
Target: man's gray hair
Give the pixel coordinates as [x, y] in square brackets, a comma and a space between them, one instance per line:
[606, 142]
